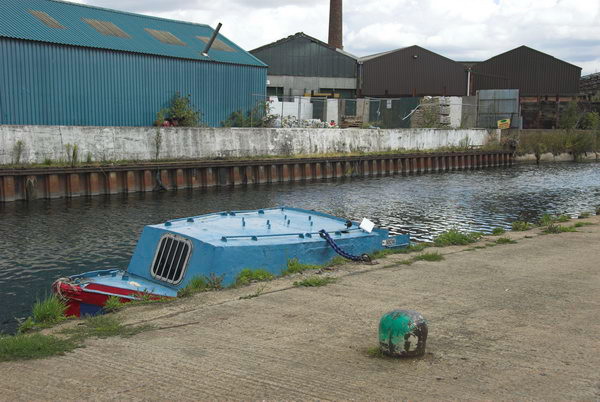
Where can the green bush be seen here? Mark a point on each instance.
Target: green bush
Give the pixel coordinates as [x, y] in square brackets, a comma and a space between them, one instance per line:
[179, 113]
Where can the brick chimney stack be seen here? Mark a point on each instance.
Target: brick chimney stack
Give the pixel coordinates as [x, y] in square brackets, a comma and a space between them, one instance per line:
[335, 24]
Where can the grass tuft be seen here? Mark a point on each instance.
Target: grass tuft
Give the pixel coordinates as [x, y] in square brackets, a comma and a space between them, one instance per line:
[431, 257]
[520, 226]
[103, 326]
[584, 215]
[555, 229]
[498, 231]
[247, 276]
[505, 240]
[314, 281]
[34, 346]
[375, 351]
[45, 313]
[582, 224]
[196, 285]
[294, 267]
[455, 237]
[112, 304]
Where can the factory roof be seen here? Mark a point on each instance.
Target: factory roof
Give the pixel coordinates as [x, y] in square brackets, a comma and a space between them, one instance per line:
[65, 23]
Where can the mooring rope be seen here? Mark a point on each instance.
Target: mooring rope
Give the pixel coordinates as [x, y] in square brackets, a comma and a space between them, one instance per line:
[361, 258]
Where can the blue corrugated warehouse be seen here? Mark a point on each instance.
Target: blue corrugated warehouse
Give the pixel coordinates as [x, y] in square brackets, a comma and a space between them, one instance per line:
[70, 64]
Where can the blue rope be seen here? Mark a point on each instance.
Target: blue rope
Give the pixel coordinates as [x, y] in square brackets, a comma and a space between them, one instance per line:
[362, 258]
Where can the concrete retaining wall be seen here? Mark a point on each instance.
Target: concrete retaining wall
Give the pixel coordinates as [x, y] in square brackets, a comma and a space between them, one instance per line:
[39, 144]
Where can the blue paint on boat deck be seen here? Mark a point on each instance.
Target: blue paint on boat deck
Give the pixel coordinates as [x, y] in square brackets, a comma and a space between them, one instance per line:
[225, 243]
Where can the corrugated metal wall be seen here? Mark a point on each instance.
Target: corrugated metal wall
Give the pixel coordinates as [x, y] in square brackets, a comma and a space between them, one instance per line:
[303, 57]
[400, 73]
[46, 84]
[533, 73]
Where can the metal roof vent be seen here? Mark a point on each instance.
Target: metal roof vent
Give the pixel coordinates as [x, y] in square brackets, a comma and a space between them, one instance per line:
[217, 44]
[46, 19]
[165, 37]
[106, 28]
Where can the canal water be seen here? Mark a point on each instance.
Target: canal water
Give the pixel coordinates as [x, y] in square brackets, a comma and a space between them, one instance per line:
[43, 240]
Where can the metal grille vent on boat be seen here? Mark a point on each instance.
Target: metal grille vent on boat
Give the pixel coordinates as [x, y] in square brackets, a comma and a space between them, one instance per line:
[171, 258]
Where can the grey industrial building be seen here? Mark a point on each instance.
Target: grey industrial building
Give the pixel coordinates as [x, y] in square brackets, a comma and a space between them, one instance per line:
[530, 71]
[301, 65]
[411, 71]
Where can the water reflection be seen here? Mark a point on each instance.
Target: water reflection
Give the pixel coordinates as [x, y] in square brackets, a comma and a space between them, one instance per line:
[44, 240]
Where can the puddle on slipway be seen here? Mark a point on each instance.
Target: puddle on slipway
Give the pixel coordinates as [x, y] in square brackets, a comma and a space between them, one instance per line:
[43, 240]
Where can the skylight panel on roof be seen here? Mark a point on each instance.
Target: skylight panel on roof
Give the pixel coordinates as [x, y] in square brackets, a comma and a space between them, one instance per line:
[165, 37]
[46, 19]
[217, 44]
[106, 28]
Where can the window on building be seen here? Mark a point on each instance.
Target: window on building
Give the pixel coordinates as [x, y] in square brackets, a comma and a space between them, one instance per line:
[165, 37]
[46, 19]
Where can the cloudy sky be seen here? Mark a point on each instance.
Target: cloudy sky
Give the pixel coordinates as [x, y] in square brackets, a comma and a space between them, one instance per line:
[459, 29]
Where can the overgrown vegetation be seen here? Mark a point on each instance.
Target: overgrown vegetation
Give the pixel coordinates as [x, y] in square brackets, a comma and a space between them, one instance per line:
[295, 267]
[314, 281]
[247, 276]
[548, 219]
[112, 304]
[200, 284]
[33, 346]
[454, 237]
[582, 224]
[102, 326]
[45, 313]
[180, 113]
[498, 231]
[431, 257]
[555, 229]
[505, 240]
[259, 116]
[521, 226]
[584, 215]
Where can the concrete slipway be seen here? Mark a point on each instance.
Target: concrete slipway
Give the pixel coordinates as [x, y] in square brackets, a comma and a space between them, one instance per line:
[517, 321]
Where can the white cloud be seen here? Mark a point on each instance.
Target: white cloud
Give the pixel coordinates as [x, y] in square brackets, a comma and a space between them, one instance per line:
[459, 29]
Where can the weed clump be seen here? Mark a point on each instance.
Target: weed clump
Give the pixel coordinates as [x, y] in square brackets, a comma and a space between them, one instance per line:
[294, 267]
[46, 313]
[582, 224]
[431, 257]
[247, 276]
[584, 215]
[314, 281]
[498, 231]
[555, 229]
[520, 226]
[454, 237]
[505, 240]
[34, 346]
[112, 304]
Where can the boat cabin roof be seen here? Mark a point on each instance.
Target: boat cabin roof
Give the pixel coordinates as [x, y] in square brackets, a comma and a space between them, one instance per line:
[247, 227]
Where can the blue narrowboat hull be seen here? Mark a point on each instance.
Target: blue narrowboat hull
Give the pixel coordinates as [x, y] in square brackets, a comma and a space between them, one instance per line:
[169, 255]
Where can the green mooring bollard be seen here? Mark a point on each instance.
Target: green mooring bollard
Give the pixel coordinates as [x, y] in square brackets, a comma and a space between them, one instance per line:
[403, 333]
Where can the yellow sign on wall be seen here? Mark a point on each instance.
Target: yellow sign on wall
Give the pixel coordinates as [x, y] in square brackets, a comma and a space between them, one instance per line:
[504, 124]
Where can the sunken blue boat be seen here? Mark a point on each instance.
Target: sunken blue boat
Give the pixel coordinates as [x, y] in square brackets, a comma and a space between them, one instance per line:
[169, 255]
